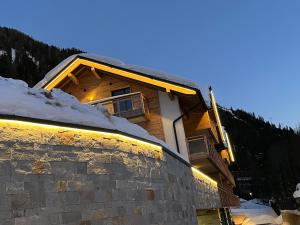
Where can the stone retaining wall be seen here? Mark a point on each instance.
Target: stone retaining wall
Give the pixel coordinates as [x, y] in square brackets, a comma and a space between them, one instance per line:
[51, 175]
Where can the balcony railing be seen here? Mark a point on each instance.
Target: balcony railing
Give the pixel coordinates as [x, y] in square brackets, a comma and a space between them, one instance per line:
[132, 106]
[201, 149]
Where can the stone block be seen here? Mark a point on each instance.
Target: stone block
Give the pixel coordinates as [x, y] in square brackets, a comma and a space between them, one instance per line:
[119, 211]
[54, 200]
[80, 185]
[6, 214]
[67, 167]
[100, 214]
[71, 217]
[22, 167]
[41, 167]
[14, 187]
[5, 202]
[61, 186]
[5, 168]
[136, 195]
[85, 222]
[21, 201]
[71, 197]
[37, 192]
[102, 181]
[55, 219]
[103, 196]
[87, 196]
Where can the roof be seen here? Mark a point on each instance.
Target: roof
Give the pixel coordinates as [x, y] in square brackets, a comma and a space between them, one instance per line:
[159, 75]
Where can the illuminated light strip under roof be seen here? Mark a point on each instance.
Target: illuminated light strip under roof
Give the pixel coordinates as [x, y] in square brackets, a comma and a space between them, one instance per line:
[216, 112]
[102, 133]
[204, 176]
[229, 148]
[120, 72]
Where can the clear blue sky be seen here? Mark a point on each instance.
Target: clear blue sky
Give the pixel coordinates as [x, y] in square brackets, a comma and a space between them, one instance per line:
[248, 50]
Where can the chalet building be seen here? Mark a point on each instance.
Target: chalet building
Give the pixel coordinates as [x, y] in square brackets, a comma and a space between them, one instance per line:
[170, 108]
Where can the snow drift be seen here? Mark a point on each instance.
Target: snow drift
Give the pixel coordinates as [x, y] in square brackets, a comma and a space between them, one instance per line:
[253, 212]
[297, 192]
[19, 100]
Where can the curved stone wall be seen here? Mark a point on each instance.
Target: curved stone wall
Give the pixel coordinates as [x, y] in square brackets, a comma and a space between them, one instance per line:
[55, 175]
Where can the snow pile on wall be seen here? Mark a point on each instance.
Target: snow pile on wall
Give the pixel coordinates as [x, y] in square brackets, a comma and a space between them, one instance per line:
[16, 98]
[297, 192]
[253, 213]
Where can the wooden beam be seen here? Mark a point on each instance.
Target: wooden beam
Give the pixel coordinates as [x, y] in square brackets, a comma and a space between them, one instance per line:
[73, 78]
[95, 73]
[76, 74]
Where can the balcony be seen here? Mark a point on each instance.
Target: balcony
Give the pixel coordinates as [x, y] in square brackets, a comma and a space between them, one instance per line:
[203, 155]
[198, 123]
[131, 106]
[207, 123]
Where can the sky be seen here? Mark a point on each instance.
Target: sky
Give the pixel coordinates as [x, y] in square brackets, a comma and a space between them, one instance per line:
[248, 50]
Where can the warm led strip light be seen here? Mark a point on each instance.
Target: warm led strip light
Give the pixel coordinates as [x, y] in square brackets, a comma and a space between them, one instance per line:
[116, 71]
[229, 148]
[101, 133]
[204, 176]
[214, 105]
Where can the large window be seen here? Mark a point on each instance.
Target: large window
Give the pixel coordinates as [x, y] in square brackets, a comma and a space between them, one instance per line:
[122, 105]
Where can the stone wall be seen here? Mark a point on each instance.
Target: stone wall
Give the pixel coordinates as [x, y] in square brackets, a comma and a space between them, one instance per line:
[51, 175]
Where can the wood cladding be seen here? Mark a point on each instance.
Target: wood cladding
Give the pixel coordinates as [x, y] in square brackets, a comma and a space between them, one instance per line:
[90, 88]
[197, 123]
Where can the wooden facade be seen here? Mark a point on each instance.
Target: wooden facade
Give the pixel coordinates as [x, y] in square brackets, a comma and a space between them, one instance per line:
[91, 88]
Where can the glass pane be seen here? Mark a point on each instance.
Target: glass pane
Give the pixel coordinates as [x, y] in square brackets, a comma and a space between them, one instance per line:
[122, 105]
[125, 105]
[197, 146]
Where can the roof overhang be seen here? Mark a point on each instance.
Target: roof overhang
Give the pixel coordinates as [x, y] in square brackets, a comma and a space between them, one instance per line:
[126, 73]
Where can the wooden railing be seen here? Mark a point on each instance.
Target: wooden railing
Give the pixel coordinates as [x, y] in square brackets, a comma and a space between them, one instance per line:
[199, 148]
[127, 105]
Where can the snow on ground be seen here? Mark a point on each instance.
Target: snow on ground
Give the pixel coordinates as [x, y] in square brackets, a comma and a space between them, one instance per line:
[294, 212]
[2, 52]
[297, 192]
[254, 213]
[20, 100]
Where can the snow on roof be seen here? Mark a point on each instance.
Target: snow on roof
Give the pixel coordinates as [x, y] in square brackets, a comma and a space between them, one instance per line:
[205, 94]
[19, 100]
[117, 63]
[256, 213]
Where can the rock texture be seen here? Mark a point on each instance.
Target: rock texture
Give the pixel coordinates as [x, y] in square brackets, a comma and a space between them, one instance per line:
[52, 176]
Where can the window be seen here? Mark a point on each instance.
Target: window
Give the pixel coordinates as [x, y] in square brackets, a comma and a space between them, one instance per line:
[124, 104]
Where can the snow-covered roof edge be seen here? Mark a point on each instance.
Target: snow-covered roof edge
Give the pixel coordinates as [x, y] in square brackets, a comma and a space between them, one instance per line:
[119, 64]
